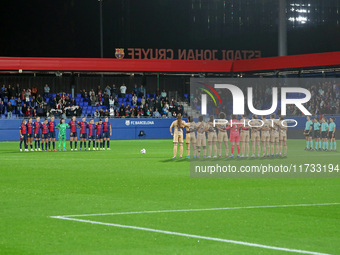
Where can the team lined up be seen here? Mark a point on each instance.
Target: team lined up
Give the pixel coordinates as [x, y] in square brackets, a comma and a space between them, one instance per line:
[272, 133]
[323, 133]
[45, 133]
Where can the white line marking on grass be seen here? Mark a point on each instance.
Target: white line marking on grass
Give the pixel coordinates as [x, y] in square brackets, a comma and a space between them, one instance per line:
[197, 210]
[193, 236]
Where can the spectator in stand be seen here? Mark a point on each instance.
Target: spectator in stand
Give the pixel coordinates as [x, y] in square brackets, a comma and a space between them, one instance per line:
[34, 91]
[96, 114]
[2, 107]
[2, 89]
[92, 92]
[101, 112]
[17, 90]
[106, 99]
[111, 101]
[142, 101]
[27, 95]
[135, 90]
[163, 94]
[39, 99]
[93, 99]
[112, 112]
[113, 90]
[9, 110]
[82, 93]
[134, 99]
[14, 94]
[122, 110]
[123, 90]
[24, 109]
[106, 113]
[28, 111]
[73, 102]
[19, 105]
[108, 90]
[99, 90]
[46, 90]
[9, 91]
[116, 104]
[156, 114]
[142, 91]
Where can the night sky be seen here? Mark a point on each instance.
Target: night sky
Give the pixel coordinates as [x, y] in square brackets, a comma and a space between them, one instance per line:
[70, 28]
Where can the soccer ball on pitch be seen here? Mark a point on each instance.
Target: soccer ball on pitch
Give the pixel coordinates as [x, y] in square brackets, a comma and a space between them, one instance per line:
[143, 151]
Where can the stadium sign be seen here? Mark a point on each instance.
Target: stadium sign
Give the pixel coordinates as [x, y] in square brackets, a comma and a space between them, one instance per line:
[139, 122]
[187, 54]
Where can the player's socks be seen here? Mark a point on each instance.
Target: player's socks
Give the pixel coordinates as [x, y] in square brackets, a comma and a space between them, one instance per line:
[35, 144]
[97, 145]
[238, 149]
[108, 144]
[311, 144]
[323, 145]
[93, 145]
[46, 144]
[75, 145]
[331, 144]
[20, 144]
[335, 146]
[53, 145]
[64, 144]
[89, 144]
[81, 145]
[327, 145]
[85, 145]
[49, 144]
[101, 145]
[71, 144]
[232, 149]
[316, 145]
[39, 144]
[31, 146]
[307, 144]
[59, 143]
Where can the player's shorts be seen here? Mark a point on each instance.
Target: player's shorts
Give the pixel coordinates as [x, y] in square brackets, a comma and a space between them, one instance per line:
[235, 138]
[309, 134]
[74, 134]
[37, 136]
[45, 136]
[222, 136]
[92, 137]
[30, 135]
[24, 137]
[274, 138]
[331, 135]
[201, 140]
[255, 136]
[62, 137]
[187, 138]
[52, 134]
[84, 136]
[283, 137]
[99, 136]
[178, 138]
[212, 137]
[106, 134]
[265, 136]
[324, 134]
[245, 136]
[316, 134]
[192, 138]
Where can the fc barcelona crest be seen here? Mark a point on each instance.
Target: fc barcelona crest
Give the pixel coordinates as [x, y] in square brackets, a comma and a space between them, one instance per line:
[119, 53]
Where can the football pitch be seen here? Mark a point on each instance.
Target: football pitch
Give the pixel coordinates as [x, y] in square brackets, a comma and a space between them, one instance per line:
[125, 202]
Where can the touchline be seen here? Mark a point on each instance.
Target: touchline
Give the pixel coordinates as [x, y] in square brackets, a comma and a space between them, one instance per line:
[238, 100]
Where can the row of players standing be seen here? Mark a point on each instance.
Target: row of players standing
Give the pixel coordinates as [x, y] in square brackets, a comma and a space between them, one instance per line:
[271, 132]
[44, 133]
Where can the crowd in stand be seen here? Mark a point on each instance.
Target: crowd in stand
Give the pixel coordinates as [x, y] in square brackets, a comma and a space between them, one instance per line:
[100, 102]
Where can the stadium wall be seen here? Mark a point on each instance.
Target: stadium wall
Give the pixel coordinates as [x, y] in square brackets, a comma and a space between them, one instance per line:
[130, 128]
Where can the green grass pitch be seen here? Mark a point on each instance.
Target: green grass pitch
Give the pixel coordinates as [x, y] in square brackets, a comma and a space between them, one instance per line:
[37, 185]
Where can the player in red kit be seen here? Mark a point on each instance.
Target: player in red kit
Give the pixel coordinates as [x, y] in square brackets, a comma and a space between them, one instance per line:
[92, 136]
[107, 132]
[99, 134]
[73, 134]
[83, 134]
[30, 133]
[23, 135]
[51, 129]
[235, 135]
[44, 135]
[37, 133]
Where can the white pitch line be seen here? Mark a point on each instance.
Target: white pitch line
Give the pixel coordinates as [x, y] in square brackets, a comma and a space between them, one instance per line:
[194, 236]
[196, 210]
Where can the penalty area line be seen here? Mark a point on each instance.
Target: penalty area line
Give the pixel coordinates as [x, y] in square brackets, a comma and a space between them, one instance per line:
[198, 210]
[192, 236]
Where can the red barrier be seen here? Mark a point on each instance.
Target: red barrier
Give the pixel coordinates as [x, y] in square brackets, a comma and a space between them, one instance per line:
[178, 66]
[126, 65]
